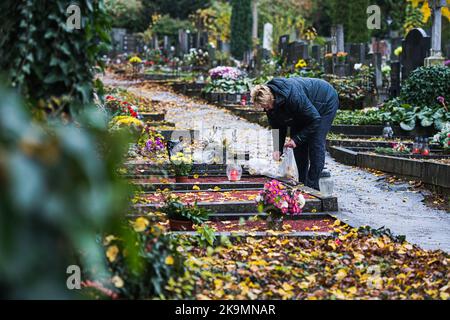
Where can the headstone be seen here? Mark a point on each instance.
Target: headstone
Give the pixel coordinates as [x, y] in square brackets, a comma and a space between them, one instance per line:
[166, 45]
[377, 58]
[416, 46]
[356, 54]
[340, 38]
[117, 38]
[447, 50]
[394, 90]
[192, 41]
[267, 37]
[155, 42]
[129, 43]
[283, 45]
[333, 41]
[297, 50]
[316, 53]
[204, 39]
[183, 43]
[436, 33]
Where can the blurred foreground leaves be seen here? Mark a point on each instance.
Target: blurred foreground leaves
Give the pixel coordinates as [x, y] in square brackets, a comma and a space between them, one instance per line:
[59, 189]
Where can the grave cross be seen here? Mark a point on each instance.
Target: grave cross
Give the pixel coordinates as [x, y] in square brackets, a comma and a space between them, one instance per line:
[436, 32]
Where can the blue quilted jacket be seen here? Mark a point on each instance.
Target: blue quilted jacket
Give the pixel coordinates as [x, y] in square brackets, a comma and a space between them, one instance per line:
[300, 103]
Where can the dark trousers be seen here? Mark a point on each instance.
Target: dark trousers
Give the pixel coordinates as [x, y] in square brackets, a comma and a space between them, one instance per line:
[310, 157]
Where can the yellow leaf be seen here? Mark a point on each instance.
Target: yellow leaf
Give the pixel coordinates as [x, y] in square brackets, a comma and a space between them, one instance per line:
[352, 290]
[287, 287]
[140, 224]
[336, 223]
[117, 281]
[111, 253]
[195, 176]
[341, 274]
[218, 283]
[444, 295]
[195, 187]
[169, 260]
[216, 188]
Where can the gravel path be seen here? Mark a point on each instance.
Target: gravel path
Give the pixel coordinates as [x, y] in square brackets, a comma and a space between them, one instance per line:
[364, 198]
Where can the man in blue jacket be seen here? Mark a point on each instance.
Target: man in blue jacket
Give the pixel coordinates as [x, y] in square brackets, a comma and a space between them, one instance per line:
[308, 106]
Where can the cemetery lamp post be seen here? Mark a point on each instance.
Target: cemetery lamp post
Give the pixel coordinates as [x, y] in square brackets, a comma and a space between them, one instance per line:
[436, 57]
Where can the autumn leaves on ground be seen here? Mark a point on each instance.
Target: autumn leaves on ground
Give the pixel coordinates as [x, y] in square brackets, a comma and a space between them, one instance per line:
[349, 264]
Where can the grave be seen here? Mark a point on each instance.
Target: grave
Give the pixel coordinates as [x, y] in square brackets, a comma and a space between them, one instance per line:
[416, 47]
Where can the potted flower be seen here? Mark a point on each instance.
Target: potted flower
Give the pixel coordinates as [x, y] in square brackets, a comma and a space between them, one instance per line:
[278, 201]
[183, 217]
[443, 137]
[341, 56]
[181, 166]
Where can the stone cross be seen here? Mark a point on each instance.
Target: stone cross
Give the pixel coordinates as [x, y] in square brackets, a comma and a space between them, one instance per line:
[340, 38]
[267, 37]
[436, 33]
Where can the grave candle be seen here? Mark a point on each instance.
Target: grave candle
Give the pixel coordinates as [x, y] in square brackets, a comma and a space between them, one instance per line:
[234, 175]
[234, 172]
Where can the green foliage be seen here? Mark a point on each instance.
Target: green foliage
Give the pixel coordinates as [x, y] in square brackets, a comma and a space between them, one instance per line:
[168, 26]
[359, 117]
[180, 9]
[351, 14]
[175, 209]
[59, 189]
[205, 235]
[126, 14]
[425, 84]
[151, 259]
[241, 27]
[47, 62]
[228, 86]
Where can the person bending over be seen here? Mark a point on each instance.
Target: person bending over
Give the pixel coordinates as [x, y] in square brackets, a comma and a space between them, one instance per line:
[306, 105]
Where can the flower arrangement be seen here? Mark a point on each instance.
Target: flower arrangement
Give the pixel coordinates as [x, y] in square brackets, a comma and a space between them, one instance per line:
[132, 124]
[135, 60]
[328, 56]
[443, 137]
[181, 164]
[397, 148]
[441, 100]
[155, 142]
[229, 73]
[196, 58]
[341, 56]
[117, 107]
[275, 199]
[301, 64]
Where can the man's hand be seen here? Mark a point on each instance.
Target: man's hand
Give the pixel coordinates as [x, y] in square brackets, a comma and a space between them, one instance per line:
[290, 144]
[276, 155]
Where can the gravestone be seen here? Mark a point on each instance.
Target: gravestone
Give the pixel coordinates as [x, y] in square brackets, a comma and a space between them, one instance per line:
[166, 44]
[267, 37]
[394, 90]
[316, 53]
[192, 41]
[283, 45]
[204, 39]
[356, 54]
[117, 38]
[340, 46]
[447, 50]
[416, 47]
[436, 57]
[376, 61]
[183, 42]
[155, 42]
[297, 50]
[129, 43]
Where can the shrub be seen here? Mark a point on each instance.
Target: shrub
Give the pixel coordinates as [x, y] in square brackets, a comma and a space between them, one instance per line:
[424, 85]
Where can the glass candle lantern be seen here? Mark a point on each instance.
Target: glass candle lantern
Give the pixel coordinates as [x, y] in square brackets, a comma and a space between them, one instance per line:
[425, 148]
[234, 172]
[326, 184]
[416, 146]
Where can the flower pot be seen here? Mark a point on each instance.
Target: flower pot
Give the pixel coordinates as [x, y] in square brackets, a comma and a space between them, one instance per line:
[274, 222]
[181, 225]
[182, 179]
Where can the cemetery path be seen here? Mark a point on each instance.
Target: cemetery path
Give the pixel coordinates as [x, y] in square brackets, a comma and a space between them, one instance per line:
[364, 198]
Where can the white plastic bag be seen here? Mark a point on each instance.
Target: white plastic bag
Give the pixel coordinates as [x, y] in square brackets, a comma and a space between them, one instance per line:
[257, 166]
[288, 166]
